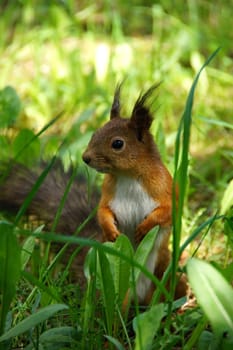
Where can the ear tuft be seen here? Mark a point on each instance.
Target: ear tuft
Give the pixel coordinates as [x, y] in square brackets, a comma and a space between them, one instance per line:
[141, 118]
[116, 106]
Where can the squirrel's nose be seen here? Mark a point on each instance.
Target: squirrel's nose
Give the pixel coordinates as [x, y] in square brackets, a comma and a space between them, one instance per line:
[86, 158]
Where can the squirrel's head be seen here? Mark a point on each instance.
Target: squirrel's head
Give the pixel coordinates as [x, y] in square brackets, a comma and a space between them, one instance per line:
[122, 145]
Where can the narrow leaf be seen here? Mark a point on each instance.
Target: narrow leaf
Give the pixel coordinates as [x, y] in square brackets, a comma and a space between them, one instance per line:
[217, 122]
[29, 154]
[34, 190]
[107, 289]
[36, 136]
[27, 250]
[33, 320]
[120, 267]
[144, 249]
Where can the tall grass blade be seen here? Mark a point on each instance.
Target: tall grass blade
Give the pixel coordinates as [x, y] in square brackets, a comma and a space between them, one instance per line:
[9, 269]
[32, 152]
[51, 122]
[181, 169]
[34, 190]
[62, 202]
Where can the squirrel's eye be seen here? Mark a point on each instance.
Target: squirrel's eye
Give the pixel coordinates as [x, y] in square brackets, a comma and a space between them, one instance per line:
[117, 144]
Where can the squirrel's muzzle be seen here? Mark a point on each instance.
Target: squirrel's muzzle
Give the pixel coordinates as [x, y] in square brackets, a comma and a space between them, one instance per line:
[86, 157]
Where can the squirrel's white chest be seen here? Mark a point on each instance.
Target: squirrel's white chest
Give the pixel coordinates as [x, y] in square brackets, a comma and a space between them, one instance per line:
[131, 205]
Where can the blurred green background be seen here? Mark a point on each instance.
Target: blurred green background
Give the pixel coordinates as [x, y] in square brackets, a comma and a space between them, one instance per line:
[67, 56]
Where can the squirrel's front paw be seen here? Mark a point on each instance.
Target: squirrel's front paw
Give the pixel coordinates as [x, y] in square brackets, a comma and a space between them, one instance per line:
[111, 235]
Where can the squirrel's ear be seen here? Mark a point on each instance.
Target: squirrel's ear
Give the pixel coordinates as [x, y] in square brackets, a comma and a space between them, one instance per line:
[141, 118]
[116, 106]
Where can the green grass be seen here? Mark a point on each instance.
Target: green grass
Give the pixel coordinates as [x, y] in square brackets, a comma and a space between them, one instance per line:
[60, 64]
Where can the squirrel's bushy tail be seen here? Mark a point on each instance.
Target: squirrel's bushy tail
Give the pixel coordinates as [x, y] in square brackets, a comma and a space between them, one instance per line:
[16, 184]
[17, 181]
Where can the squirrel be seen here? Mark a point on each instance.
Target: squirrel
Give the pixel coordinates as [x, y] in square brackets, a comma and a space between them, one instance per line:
[136, 193]
[137, 188]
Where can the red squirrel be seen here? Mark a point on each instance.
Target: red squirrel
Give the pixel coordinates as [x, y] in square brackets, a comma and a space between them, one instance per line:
[137, 187]
[136, 193]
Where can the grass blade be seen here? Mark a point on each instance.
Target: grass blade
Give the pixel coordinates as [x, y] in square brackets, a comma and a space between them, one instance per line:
[33, 138]
[144, 249]
[33, 320]
[107, 289]
[34, 190]
[10, 269]
[181, 169]
[120, 268]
